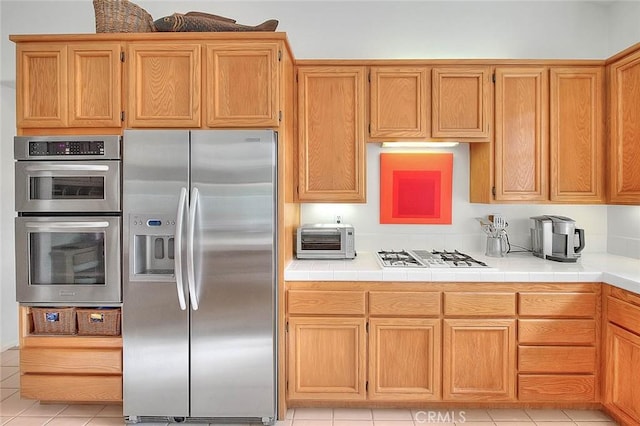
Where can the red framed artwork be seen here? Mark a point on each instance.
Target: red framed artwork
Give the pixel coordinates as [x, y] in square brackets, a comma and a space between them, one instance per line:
[416, 188]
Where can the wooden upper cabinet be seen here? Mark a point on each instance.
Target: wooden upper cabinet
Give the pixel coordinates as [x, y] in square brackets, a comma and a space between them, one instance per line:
[164, 85]
[461, 102]
[624, 137]
[331, 146]
[68, 85]
[521, 137]
[577, 151]
[95, 87]
[241, 81]
[400, 102]
[41, 78]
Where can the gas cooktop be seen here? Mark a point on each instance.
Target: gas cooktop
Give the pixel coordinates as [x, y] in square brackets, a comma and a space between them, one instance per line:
[427, 259]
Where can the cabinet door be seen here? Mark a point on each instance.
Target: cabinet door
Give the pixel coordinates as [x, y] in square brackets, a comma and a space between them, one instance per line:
[404, 359]
[521, 141]
[41, 94]
[241, 84]
[479, 360]
[331, 134]
[327, 358]
[164, 85]
[461, 102]
[576, 138]
[94, 85]
[623, 372]
[400, 102]
[624, 83]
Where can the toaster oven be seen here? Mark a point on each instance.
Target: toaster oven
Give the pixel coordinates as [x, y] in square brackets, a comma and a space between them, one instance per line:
[325, 241]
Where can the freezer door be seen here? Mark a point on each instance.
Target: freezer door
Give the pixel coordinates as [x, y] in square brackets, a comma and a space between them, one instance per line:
[155, 330]
[232, 331]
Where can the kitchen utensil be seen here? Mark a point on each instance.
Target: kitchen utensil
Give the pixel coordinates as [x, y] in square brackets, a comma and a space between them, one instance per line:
[496, 246]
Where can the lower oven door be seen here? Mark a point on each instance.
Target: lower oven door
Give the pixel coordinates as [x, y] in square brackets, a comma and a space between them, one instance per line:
[67, 186]
[68, 259]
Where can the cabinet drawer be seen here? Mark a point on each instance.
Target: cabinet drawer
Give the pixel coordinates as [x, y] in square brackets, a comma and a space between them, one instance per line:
[560, 388]
[405, 303]
[579, 305]
[71, 361]
[325, 302]
[61, 387]
[556, 359]
[556, 332]
[472, 304]
[624, 314]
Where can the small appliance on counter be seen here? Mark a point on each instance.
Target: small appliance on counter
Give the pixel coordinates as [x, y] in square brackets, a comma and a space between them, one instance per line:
[553, 238]
[325, 241]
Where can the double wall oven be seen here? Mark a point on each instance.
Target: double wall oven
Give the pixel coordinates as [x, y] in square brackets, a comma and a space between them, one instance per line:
[68, 229]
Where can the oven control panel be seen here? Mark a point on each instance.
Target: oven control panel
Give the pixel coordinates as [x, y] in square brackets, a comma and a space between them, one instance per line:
[57, 148]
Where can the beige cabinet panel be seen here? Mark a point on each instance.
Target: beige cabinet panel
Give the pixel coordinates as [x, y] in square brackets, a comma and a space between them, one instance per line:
[404, 359]
[400, 102]
[327, 358]
[623, 372]
[577, 152]
[331, 145]
[624, 130]
[479, 360]
[461, 102]
[164, 85]
[41, 78]
[241, 84]
[95, 75]
[521, 139]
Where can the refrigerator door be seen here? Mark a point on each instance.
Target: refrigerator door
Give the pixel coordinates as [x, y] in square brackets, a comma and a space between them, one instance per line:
[155, 329]
[232, 331]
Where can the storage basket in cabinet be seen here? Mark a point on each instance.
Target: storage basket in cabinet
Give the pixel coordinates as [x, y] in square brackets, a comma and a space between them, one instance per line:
[54, 320]
[98, 322]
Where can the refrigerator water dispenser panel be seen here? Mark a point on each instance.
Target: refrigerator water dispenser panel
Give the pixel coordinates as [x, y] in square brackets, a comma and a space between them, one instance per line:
[153, 246]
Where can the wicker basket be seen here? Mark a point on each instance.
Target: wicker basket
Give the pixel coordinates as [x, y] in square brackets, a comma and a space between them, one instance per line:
[98, 322]
[121, 16]
[54, 320]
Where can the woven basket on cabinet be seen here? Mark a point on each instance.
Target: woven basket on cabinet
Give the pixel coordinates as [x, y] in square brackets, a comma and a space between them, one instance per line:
[121, 16]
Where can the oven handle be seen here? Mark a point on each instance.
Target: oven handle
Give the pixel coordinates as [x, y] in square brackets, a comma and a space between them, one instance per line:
[66, 225]
[191, 276]
[182, 203]
[68, 167]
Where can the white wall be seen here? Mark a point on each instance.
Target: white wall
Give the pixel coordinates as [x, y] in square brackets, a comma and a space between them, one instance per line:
[357, 29]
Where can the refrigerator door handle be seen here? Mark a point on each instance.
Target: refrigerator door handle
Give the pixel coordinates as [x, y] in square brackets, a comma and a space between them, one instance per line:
[191, 276]
[182, 204]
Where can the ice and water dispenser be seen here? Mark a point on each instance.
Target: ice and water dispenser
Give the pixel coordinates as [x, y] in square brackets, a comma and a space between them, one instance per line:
[153, 246]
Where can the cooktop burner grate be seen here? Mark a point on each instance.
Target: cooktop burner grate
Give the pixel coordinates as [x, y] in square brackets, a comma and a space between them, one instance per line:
[427, 259]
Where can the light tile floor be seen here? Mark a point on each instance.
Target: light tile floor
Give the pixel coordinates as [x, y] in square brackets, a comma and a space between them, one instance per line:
[15, 411]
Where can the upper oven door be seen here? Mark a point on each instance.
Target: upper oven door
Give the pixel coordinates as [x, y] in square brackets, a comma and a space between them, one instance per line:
[67, 186]
[68, 259]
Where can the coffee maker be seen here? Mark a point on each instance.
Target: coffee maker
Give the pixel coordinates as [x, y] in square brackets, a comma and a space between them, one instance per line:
[553, 238]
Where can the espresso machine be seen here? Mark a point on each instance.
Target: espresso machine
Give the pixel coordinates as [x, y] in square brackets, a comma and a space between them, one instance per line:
[553, 238]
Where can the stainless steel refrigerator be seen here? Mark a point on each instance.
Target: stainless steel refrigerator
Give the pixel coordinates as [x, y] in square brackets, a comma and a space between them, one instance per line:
[199, 275]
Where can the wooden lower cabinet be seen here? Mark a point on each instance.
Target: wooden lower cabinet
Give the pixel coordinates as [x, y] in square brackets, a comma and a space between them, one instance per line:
[327, 358]
[55, 368]
[622, 356]
[379, 344]
[404, 359]
[479, 360]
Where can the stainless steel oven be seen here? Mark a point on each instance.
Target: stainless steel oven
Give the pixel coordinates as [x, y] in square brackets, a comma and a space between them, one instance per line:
[68, 229]
[57, 174]
[70, 259]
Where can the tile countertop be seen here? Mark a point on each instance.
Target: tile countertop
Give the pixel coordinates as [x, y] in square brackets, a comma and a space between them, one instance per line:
[622, 272]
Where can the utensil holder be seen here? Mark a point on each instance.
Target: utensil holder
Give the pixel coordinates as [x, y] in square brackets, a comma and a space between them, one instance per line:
[496, 247]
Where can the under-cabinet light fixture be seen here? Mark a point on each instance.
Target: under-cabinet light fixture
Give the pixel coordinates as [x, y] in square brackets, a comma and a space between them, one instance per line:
[419, 144]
